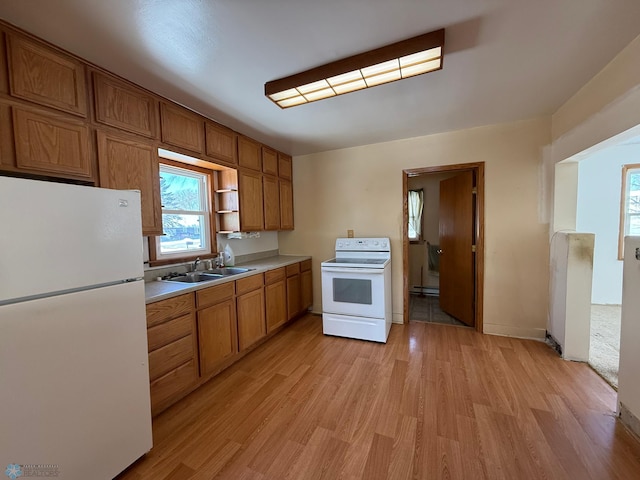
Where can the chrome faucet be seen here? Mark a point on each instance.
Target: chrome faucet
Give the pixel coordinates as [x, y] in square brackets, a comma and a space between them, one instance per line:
[195, 264]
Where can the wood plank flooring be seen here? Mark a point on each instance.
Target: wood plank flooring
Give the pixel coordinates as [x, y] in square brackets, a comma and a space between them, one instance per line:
[435, 402]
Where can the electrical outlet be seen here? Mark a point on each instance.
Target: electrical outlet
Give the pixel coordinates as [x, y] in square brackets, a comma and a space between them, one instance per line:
[349, 233]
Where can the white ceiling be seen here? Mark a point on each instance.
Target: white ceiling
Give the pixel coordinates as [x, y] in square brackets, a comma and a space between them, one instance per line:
[505, 60]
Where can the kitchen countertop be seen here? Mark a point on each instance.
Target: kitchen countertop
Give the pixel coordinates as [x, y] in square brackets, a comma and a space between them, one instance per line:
[161, 290]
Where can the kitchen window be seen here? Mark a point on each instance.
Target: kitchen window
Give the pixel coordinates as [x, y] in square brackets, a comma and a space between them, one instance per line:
[184, 194]
[630, 205]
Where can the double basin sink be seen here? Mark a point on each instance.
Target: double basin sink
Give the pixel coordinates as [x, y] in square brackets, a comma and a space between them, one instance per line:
[208, 275]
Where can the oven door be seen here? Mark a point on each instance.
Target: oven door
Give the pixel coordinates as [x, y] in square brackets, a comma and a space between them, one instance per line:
[353, 291]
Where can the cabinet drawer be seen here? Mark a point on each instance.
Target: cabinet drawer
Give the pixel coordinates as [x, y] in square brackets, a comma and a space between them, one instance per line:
[248, 284]
[170, 331]
[170, 356]
[293, 269]
[168, 387]
[164, 310]
[273, 276]
[305, 265]
[213, 295]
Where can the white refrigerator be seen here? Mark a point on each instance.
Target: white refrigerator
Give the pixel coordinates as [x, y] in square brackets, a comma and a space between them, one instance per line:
[74, 375]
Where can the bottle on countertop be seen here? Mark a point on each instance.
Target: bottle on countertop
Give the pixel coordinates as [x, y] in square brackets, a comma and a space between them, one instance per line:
[229, 257]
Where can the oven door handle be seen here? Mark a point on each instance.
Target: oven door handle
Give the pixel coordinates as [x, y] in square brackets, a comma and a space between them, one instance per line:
[359, 271]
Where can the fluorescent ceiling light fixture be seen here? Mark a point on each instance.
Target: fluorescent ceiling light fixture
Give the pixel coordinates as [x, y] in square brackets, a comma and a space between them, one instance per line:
[404, 59]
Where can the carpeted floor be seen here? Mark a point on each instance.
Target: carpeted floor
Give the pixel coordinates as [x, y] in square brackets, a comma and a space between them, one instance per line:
[604, 348]
[427, 309]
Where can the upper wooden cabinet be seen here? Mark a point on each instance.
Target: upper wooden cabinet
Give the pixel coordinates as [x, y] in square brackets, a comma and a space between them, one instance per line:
[42, 75]
[249, 153]
[284, 166]
[286, 205]
[271, 200]
[52, 145]
[220, 143]
[251, 201]
[121, 105]
[128, 164]
[181, 127]
[269, 161]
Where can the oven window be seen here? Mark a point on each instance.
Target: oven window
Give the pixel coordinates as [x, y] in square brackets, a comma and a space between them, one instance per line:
[351, 290]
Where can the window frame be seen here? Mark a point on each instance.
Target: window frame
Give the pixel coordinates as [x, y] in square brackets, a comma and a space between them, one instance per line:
[624, 206]
[155, 256]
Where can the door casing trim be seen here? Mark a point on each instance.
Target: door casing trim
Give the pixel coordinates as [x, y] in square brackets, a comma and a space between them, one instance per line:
[478, 169]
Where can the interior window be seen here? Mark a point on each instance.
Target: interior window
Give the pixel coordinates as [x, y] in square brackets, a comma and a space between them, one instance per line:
[630, 204]
[184, 195]
[416, 203]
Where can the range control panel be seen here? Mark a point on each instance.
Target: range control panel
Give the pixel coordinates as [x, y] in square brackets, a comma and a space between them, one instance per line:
[363, 244]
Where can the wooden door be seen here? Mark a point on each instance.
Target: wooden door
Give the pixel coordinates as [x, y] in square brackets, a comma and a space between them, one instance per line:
[123, 106]
[306, 286]
[276, 304]
[251, 201]
[220, 143]
[456, 225]
[52, 145]
[271, 202]
[46, 76]
[217, 335]
[181, 127]
[294, 296]
[128, 164]
[251, 318]
[286, 205]
[249, 153]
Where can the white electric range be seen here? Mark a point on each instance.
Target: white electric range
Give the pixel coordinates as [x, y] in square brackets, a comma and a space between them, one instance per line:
[356, 289]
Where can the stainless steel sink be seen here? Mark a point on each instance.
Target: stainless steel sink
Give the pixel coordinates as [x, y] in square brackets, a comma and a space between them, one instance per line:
[225, 271]
[195, 277]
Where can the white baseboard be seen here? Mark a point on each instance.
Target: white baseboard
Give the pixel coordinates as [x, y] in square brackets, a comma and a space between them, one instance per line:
[629, 419]
[517, 332]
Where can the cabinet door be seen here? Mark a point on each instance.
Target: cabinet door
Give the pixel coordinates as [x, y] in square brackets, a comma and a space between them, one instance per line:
[51, 145]
[294, 303]
[217, 335]
[275, 304]
[251, 201]
[251, 318]
[124, 106]
[45, 76]
[127, 164]
[286, 205]
[249, 153]
[269, 161]
[220, 143]
[306, 287]
[284, 166]
[271, 194]
[181, 128]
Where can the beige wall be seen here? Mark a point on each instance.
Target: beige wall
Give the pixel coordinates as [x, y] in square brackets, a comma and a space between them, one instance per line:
[361, 189]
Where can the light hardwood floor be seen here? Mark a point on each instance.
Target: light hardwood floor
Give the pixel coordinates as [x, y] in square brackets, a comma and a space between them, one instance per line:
[436, 401]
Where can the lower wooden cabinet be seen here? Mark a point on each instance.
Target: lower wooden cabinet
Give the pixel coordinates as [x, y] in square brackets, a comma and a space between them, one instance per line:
[217, 335]
[251, 313]
[275, 298]
[173, 350]
[294, 300]
[194, 336]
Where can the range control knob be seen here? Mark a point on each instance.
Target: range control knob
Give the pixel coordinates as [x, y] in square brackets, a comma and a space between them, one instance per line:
[339, 244]
[384, 244]
[375, 243]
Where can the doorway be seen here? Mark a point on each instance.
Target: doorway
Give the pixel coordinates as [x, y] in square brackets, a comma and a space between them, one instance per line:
[448, 274]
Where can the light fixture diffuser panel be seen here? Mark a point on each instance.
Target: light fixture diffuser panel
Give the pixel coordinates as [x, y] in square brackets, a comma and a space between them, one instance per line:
[404, 59]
